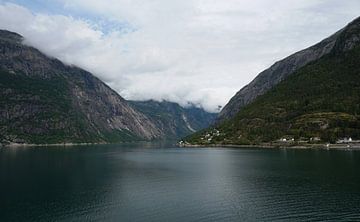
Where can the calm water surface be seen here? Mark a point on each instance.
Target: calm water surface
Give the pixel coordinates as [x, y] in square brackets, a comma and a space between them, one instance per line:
[152, 182]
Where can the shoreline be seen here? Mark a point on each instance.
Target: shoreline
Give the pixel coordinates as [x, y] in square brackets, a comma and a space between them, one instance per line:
[270, 146]
[355, 146]
[12, 145]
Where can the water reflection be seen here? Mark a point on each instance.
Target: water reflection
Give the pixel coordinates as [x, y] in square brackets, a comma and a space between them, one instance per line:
[158, 182]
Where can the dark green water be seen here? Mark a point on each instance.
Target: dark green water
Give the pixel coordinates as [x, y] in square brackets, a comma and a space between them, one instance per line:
[150, 183]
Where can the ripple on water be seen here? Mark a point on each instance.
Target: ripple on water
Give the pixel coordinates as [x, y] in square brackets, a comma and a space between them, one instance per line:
[130, 184]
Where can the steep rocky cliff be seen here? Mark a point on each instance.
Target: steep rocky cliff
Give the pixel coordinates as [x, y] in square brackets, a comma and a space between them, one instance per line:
[44, 101]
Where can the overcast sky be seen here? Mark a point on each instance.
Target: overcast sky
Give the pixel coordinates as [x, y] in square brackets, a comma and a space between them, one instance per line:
[185, 51]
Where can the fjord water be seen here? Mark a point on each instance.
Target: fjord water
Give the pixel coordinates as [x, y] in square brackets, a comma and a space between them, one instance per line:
[156, 182]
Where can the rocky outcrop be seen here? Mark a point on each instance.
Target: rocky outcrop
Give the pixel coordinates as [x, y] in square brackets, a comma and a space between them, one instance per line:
[343, 40]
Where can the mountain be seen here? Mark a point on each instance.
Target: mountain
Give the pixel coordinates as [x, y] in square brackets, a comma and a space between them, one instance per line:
[272, 76]
[174, 120]
[317, 98]
[43, 100]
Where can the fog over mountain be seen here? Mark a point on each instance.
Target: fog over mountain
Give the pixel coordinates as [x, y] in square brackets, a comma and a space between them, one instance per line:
[195, 51]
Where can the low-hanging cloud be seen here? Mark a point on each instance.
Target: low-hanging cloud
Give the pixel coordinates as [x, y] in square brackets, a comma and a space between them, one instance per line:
[187, 51]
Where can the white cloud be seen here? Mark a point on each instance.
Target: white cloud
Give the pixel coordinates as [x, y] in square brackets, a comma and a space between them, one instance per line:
[186, 51]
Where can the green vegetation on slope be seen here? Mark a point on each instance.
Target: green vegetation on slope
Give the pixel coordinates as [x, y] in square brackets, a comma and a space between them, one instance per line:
[35, 110]
[320, 100]
[175, 121]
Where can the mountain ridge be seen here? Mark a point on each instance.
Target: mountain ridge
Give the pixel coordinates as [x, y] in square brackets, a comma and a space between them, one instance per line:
[43, 100]
[319, 102]
[72, 93]
[279, 71]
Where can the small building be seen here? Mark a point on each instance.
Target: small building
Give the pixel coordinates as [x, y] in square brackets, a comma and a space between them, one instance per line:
[315, 139]
[347, 140]
[287, 139]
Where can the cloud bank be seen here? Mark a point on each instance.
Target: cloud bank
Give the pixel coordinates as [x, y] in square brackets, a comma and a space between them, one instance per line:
[187, 51]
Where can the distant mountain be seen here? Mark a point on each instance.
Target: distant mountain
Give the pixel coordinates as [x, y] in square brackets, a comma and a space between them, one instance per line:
[313, 94]
[172, 119]
[44, 101]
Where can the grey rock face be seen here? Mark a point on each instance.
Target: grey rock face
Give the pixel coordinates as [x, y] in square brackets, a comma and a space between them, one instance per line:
[343, 40]
[104, 107]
